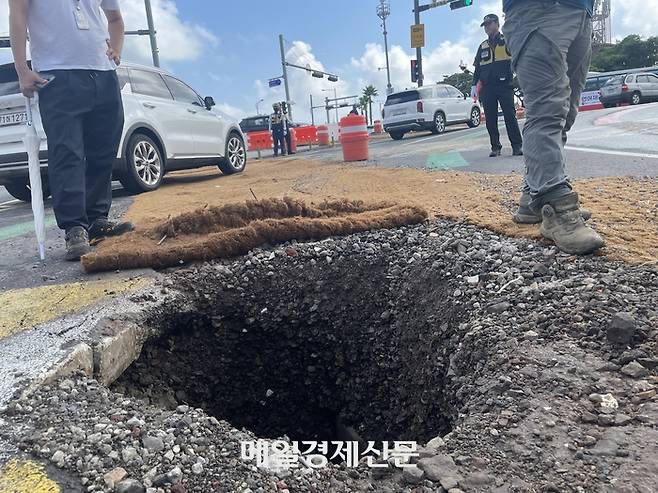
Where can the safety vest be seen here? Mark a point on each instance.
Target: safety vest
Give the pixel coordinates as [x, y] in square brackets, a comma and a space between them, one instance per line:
[493, 65]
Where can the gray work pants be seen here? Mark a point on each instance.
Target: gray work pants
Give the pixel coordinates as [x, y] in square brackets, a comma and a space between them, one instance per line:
[551, 46]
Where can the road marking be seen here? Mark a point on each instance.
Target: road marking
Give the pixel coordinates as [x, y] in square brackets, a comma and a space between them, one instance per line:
[612, 152]
[24, 309]
[9, 202]
[447, 160]
[26, 477]
[23, 228]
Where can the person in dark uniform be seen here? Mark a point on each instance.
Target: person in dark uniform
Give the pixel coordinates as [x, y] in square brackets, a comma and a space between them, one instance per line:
[277, 127]
[287, 128]
[493, 69]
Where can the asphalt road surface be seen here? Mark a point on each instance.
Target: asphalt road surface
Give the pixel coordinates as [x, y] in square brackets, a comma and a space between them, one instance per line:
[610, 142]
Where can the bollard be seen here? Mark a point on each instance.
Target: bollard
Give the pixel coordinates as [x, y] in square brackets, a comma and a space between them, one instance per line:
[354, 138]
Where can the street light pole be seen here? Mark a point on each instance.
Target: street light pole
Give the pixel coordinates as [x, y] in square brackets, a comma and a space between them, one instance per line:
[383, 11]
[419, 50]
[284, 65]
[151, 26]
[258, 106]
[312, 113]
[336, 97]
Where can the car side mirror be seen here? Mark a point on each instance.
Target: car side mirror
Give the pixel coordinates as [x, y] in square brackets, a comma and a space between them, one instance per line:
[466, 96]
[210, 102]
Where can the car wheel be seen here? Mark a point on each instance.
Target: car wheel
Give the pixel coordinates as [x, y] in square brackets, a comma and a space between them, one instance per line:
[235, 156]
[439, 123]
[636, 98]
[21, 190]
[144, 163]
[476, 118]
[396, 135]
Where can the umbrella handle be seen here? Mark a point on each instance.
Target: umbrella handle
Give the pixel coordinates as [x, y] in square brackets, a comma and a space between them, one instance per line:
[28, 108]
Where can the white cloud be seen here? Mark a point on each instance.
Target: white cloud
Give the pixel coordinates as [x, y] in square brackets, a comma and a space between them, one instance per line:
[232, 111]
[177, 40]
[634, 17]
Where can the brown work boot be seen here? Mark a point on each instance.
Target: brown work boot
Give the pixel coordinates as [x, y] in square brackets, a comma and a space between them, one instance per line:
[77, 243]
[563, 223]
[525, 215]
[103, 228]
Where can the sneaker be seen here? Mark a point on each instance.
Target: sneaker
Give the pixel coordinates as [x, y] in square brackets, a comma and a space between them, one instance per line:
[517, 151]
[494, 153]
[563, 223]
[525, 215]
[102, 228]
[77, 243]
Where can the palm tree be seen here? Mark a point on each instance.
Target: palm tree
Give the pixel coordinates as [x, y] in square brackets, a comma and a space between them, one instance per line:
[369, 91]
[363, 104]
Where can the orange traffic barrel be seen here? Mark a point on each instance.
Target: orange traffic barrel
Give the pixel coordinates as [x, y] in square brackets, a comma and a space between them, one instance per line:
[354, 138]
[379, 128]
[323, 135]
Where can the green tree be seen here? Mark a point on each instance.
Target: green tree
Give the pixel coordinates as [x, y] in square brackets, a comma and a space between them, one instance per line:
[369, 92]
[461, 81]
[363, 105]
[630, 52]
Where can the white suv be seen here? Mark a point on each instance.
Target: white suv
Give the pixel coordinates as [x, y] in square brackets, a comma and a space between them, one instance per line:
[168, 127]
[428, 108]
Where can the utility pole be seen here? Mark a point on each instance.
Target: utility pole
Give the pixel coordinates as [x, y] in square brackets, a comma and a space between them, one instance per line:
[151, 26]
[312, 115]
[419, 50]
[326, 106]
[284, 65]
[383, 11]
[150, 32]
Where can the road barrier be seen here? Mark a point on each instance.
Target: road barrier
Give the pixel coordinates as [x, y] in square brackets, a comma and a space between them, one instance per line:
[307, 135]
[379, 128]
[259, 141]
[323, 135]
[354, 138]
[293, 140]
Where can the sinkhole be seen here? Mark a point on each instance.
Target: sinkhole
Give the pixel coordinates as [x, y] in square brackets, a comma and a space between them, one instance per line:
[354, 349]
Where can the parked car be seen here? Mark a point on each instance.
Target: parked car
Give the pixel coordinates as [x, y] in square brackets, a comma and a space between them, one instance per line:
[168, 127]
[428, 108]
[631, 88]
[257, 123]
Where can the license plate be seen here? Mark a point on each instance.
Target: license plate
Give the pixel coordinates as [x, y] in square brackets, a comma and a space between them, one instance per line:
[13, 119]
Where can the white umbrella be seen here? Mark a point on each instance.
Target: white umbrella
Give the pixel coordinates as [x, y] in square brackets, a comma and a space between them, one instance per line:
[32, 144]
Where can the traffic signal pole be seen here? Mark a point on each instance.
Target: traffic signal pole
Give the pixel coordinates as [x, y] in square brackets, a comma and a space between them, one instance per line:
[419, 50]
[454, 4]
[285, 74]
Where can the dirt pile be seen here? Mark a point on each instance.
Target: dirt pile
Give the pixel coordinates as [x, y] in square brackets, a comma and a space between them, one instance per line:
[234, 229]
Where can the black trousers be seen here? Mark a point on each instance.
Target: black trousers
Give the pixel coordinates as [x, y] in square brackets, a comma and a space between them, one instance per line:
[491, 95]
[82, 115]
[278, 138]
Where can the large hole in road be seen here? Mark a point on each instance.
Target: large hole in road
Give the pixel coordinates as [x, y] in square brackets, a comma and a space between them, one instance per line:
[307, 349]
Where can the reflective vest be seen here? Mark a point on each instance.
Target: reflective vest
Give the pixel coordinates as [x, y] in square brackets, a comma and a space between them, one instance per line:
[493, 65]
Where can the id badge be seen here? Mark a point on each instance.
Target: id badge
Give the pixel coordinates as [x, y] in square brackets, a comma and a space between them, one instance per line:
[81, 19]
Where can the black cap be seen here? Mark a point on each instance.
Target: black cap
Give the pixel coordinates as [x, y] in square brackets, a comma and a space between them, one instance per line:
[489, 18]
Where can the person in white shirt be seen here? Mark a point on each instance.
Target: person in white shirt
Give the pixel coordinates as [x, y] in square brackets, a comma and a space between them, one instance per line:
[76, 46]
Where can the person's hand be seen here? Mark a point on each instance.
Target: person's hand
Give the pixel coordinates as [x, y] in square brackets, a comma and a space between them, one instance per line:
[113, 54]
[474, 92]
[30, 82]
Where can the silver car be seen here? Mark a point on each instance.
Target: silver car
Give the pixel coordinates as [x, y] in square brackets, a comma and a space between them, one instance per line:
[631, 88]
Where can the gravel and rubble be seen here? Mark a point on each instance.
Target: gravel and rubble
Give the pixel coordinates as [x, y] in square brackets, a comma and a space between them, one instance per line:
[516, 367]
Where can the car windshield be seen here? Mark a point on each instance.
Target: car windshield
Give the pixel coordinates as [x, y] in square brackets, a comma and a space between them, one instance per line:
[8, 80]
[616, 80]
[402, 97]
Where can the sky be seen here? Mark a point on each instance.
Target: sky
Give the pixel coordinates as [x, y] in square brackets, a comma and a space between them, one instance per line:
[229, 49]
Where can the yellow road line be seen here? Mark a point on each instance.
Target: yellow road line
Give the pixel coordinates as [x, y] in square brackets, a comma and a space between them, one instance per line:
[23, 309]
[26, 477]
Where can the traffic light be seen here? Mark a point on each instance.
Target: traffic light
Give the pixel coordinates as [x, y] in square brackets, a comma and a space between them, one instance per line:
[414, 70]
[460, 3]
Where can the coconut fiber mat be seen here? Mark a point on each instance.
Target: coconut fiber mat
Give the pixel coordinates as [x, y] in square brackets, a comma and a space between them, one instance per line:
[235, 229]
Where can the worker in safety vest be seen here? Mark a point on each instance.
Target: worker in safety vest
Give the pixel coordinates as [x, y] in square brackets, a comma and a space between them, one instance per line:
[278, 129]
[493, 69]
